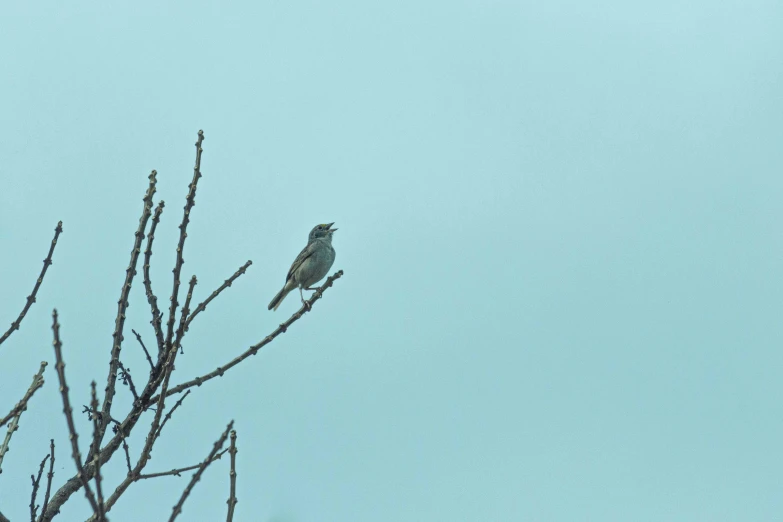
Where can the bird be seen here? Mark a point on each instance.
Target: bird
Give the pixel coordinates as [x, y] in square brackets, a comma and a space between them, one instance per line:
[310, 266]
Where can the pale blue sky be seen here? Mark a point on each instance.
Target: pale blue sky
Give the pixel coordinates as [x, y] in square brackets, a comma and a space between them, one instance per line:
[559, 225]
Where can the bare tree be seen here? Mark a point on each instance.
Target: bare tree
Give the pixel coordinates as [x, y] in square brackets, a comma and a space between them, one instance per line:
[152, 395]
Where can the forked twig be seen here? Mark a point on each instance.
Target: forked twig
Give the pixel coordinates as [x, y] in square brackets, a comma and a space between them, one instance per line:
[179, 471]
[197, 475]
[49, 477]
[36, 484]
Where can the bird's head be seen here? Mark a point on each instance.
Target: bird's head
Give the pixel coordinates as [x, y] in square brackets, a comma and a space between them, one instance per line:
[320, 231]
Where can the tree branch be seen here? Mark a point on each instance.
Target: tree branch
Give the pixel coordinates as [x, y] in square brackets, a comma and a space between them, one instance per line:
[154, 430]
[198, 381]
[149, 359]
[151, 298]
[184, 315]
[124, 428]
[232, 496]
[49, 477]
[126, 379]
[197, 475]
[190, 201]
[127, 455]
[68, 411]
[178, 472]
[31, 298]
[202, 306]
[101, 512]
[156, 390]
[73, 484]
[95, 413]
[36, 484]
[16, 412]
[170, 413]
[38, 381]
[122, 305]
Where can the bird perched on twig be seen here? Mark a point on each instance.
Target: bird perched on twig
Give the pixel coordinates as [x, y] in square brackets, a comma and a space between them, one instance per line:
[310, 266]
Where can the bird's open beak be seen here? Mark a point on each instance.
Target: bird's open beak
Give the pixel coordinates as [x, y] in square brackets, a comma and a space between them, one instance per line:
[330, 227]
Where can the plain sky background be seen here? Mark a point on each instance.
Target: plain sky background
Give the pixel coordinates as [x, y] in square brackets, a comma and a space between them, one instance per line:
[559, 226]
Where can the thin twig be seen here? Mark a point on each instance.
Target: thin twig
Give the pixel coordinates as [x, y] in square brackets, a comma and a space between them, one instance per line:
[198, 381]
[190, 200]
[38, 381]
[178, 472]
[127, 455]
[95, 413]
[126, 378]
[12, 427]
[49, 477]
[36, 484]
[157, 316]
[184, 315]
[101, 512]
[149, 359]
[197, 475]
[122, 305]
[202, 306]
[31, 298]
[68, 411]
[232, 497]
[22, 404]
[170, 413]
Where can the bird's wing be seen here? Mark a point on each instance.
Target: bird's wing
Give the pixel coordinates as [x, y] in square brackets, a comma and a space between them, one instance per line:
[304, 254]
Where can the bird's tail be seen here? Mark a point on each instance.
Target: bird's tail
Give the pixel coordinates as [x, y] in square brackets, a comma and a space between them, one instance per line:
[276, 300]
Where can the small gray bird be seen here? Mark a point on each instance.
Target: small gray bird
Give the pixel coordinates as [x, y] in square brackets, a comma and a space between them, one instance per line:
[311, 265]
